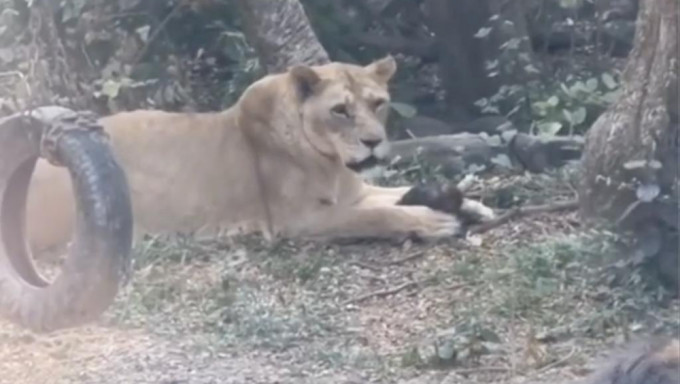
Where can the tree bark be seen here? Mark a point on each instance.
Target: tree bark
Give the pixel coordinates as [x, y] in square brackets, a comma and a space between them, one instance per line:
[281, 34]
[639, 125]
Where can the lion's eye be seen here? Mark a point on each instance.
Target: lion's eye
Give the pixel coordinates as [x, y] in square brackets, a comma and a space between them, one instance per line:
[378, 104]
[340, 110]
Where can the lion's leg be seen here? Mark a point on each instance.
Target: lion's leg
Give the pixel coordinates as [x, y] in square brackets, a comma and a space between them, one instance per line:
[384, 221]
[374, 195]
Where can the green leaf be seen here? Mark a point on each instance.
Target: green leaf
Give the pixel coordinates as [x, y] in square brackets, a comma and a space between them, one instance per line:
[609, 81]
[570, 4]
[529, 68]
[540, 107]
[72, 9]
[404, 110]
[483, 102]
[111, 89]
[491, 109]
[511, 44]
[591, 84]
[489, 65]
[577, 87]
[566, 89]
[489, 335]
[568, 116]
[446, 350]
[553, 101]
[647, 192]
[483, 32]
[579, 115]
[549, 128]
[143, 33]
[635, 164]
[502, 161]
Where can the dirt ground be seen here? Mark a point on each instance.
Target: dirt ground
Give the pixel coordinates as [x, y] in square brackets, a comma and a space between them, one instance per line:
[531, 301]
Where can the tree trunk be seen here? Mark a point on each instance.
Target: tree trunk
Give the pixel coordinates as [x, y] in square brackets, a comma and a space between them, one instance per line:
[630, 160]
[281, 34]
[638, 126]
[463, 57]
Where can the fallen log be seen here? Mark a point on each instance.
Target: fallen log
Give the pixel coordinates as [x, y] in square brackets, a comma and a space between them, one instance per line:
[456, 153]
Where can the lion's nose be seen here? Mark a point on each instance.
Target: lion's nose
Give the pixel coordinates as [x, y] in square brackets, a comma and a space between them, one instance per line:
[371, 143]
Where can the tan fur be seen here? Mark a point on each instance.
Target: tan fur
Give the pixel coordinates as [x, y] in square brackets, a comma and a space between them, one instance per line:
[275, 160]
[670, 354]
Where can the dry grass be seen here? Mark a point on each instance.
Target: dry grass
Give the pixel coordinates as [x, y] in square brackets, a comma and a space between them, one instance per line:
[531, 302]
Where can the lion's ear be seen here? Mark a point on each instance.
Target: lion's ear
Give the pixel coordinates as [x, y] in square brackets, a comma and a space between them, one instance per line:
[305, 79]
[383, 69]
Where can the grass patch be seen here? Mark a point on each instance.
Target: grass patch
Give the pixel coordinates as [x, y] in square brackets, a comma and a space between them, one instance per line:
[566, 284]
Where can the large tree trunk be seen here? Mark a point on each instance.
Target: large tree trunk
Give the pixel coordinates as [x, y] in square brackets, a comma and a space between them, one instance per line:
[463, 57]
[639, 132]
[638, 126]
[281, 34]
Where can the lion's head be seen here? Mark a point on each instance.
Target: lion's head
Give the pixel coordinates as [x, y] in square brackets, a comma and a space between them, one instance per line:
[344, 109]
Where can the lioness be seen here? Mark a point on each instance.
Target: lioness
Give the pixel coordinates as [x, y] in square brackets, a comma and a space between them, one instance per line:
[283, 159]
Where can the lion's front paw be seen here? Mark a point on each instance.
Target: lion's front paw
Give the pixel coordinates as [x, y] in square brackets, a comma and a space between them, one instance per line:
[434, 224]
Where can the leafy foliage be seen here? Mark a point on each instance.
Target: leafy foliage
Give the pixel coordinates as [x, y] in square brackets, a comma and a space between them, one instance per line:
[543, 102]
[573, 105]
[129, 54]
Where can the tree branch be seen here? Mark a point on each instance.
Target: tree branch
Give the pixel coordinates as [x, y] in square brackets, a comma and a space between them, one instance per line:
[523, 211]
[423, 48]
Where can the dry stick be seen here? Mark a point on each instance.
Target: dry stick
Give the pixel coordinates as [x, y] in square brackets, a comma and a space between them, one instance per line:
[523, 211]
[492, 369]
[411, 257]
[383, 292]
[361, 264]
[559, 362]
[158, 30]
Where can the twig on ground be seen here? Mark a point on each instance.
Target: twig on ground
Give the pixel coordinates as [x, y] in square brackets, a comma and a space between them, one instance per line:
[468, 371]
[559, 362]
[523, 211]
[361, 264]
[411, 257]
[456, 286]
[383, 292]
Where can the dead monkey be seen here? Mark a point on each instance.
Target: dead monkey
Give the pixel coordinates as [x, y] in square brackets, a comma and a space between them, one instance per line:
[440, 197]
